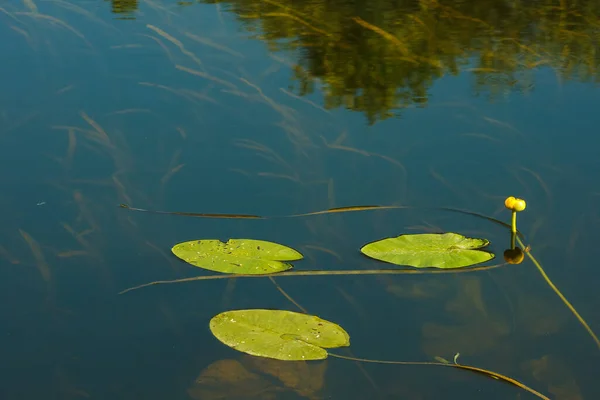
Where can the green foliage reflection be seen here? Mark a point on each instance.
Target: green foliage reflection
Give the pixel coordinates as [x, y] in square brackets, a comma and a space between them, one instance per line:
[124, 8]
[380, 56]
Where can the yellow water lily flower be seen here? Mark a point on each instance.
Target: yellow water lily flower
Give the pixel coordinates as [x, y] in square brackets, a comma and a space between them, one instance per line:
[515, 204]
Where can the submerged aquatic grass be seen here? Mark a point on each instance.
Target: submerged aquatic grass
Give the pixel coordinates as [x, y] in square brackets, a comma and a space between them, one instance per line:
[134, 134]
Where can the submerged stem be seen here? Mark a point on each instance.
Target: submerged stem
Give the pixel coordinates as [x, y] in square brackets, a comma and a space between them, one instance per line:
[320, 212]
[320, 273]
[561, 296]
[490, 374]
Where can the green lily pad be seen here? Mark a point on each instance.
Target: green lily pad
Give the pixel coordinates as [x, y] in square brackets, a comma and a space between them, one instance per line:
[237, 256]
[278, 334]
[445, 250]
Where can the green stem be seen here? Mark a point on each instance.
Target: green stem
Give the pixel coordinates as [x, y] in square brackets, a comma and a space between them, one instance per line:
[320, 273]
[561, 296]
[513, 225]
[489, 373]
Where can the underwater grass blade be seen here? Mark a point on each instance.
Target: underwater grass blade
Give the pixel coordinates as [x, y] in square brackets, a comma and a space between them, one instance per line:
[192, 214]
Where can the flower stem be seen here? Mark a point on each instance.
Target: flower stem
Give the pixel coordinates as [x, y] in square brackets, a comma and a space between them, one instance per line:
[514, 222]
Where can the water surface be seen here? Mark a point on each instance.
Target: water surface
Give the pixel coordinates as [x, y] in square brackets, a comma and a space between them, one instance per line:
[276, 108]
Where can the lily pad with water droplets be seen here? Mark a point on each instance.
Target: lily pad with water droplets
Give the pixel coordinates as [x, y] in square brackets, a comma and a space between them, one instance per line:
[237, 256]
[278, 334]
[445, 250]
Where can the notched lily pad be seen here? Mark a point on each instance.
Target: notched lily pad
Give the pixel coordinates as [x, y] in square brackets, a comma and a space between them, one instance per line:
[278, 334]
[445, 250]
[237, 256]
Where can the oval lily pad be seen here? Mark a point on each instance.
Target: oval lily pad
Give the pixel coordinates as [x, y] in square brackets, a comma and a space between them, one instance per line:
[437, 250]
[278, 334]
[237, 256]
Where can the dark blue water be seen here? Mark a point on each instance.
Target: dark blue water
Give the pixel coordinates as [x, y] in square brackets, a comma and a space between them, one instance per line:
[276, 108]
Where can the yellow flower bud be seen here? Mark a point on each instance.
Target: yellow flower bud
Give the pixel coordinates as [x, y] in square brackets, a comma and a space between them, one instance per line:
[509, 202]
[514, 204]
[519, 205]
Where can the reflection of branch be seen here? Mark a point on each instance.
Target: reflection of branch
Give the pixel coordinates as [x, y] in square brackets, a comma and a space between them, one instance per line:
[321, 273]
[401, 46]
[414, 58]
[299, 20]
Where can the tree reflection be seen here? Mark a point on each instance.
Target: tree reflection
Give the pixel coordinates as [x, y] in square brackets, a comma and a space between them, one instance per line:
[380, 56]
[124, 8]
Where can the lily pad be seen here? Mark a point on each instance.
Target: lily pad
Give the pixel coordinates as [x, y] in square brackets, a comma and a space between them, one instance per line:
[237, 256]
[437, 250]
[278, 334]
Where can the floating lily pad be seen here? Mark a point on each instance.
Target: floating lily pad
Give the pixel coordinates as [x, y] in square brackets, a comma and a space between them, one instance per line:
[438, 250]
[278, 334]
[237, 256]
